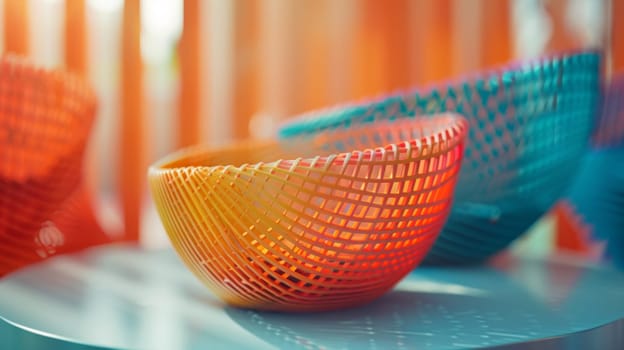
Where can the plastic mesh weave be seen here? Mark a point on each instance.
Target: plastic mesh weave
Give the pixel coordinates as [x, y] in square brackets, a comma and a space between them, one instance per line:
[529, 125]
[312, 232]
[45, 117]
[598, 190]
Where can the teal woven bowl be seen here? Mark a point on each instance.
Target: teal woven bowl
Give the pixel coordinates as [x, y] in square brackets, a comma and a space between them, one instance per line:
[597, 194]
[530, 123]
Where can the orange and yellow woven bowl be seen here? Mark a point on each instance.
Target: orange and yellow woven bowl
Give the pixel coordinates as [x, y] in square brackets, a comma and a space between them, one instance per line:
[331, 221]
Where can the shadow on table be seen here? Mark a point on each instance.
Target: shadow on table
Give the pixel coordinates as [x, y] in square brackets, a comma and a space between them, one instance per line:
[489, 309]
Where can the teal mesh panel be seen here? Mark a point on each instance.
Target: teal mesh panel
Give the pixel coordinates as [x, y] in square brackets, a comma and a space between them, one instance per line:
[530, 124]
[597, 193]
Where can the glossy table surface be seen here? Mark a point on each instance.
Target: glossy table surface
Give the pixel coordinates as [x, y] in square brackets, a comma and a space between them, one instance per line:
[125, 297]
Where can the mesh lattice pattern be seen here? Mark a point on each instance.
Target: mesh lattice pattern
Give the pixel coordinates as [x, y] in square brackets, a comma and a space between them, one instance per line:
[529, 125]
[598, 190]
[45, 117]
[314, 232]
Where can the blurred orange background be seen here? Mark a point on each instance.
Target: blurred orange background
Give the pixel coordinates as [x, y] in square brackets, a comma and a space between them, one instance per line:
[172, 73]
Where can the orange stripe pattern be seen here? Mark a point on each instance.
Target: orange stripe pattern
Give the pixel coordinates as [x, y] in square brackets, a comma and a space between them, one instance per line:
[189, 126]
[16, 39]
[133, 126]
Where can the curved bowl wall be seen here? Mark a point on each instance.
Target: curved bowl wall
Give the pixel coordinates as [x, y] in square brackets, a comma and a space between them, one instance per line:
[328, 222]
[45, 119]
[529, 127]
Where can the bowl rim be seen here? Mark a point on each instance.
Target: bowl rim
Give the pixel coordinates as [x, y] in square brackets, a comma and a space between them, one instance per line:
[450, 129]
[330, 117]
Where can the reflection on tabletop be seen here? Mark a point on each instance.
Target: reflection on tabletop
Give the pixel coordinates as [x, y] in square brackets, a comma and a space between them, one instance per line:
[123, 297]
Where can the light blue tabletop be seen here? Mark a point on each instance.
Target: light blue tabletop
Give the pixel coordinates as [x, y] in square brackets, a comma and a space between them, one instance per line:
[124, 297]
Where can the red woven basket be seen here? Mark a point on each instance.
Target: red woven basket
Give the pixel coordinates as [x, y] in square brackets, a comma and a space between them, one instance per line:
[45, 118]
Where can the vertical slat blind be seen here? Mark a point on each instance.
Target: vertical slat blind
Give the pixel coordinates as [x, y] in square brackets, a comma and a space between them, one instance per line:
[132, 153]
[617, 35]
[189, 126]
[75, 32]
[286, 57]
[246, 66]
[16, 38]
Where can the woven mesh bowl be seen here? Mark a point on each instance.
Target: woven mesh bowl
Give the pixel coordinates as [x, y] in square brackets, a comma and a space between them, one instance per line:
[529, 125]
[609, 132]
[45, 117]
[313, 232]
[598, 190]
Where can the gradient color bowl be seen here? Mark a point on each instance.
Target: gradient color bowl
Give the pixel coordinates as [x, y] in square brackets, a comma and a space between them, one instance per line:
[45, 119]
[529, 126]
[303, 226]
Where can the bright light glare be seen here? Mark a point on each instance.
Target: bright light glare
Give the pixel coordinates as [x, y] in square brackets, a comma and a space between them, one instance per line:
[429, 286]
[105, 6]
[161, 26]
[163, 17]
